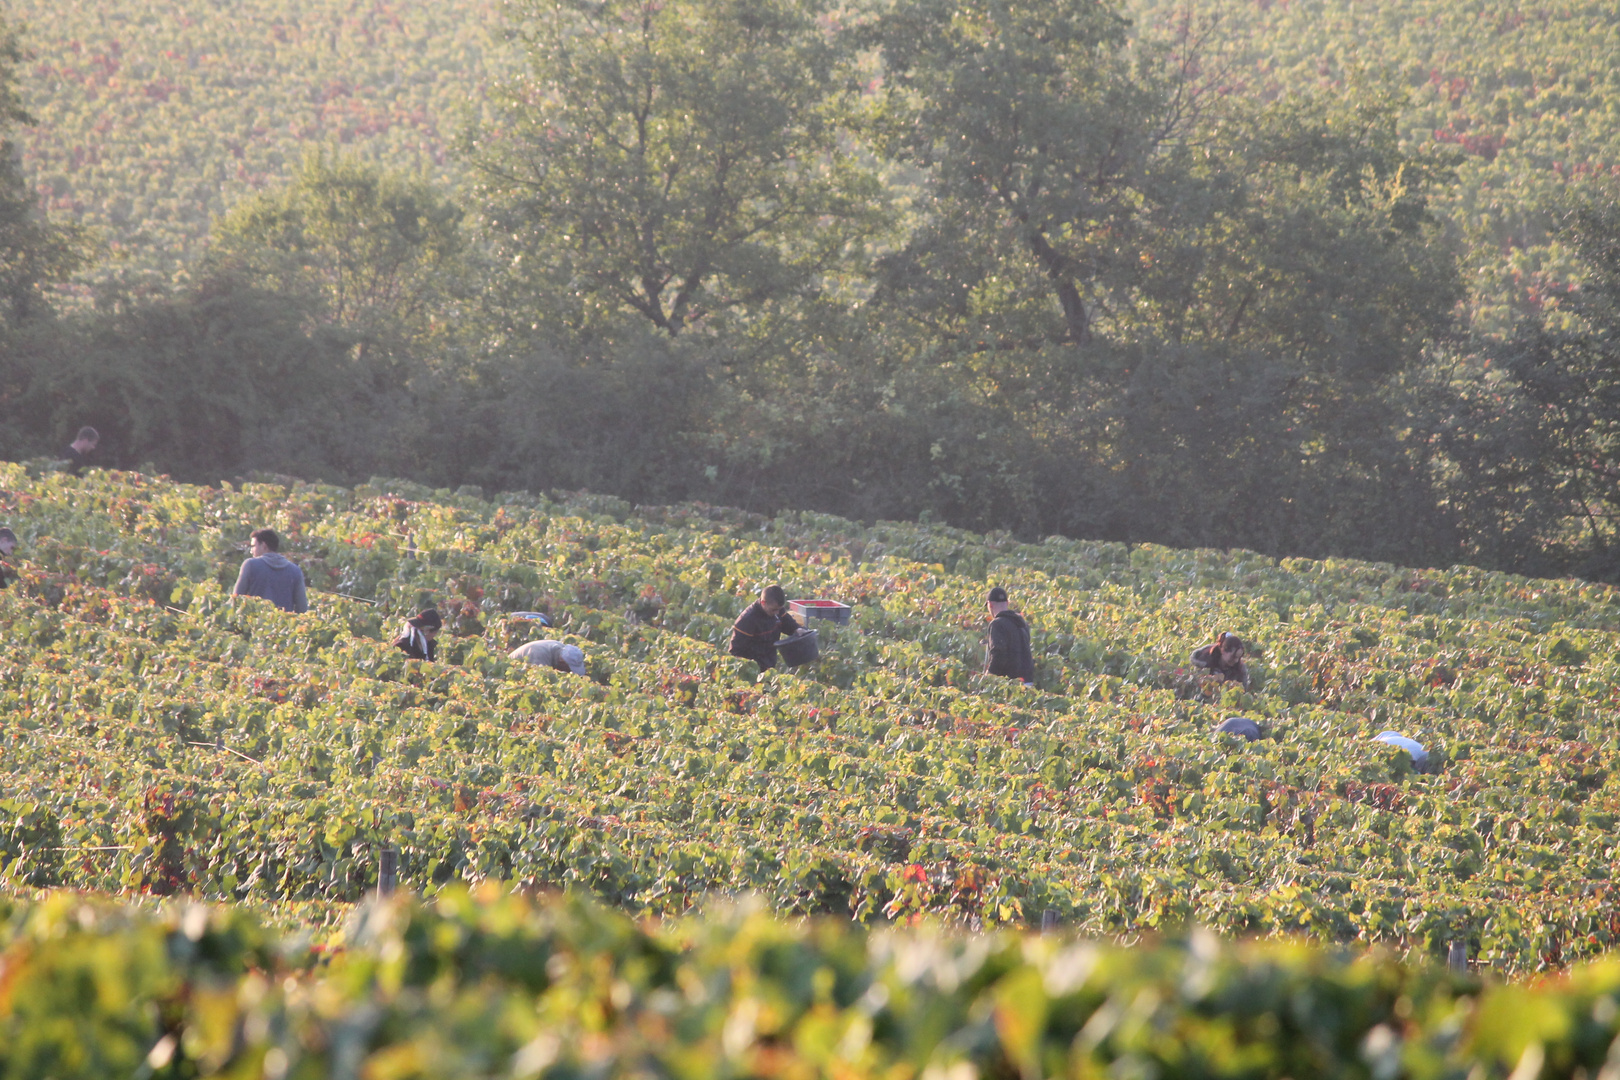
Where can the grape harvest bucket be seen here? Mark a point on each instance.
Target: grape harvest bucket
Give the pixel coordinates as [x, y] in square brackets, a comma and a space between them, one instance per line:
[799, 649]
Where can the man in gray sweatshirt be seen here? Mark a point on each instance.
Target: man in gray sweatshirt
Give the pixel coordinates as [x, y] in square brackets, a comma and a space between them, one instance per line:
[271, 574]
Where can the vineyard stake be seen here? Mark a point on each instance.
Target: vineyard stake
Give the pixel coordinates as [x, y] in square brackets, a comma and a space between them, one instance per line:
[1457, 957]
[387, 871]
[220, 745]
[98, 847]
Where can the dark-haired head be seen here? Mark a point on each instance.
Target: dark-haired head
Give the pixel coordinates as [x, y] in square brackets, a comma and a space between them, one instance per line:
[773, 595]
[268, 537]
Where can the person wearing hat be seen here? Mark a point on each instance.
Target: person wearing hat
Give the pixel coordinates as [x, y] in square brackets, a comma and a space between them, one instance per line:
[416, 641]
[552, 654]
[8, 544]
[1224, 657]
[1008, 652]
[755, 633]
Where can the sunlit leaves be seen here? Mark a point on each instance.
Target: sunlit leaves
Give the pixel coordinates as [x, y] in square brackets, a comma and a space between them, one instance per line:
[492, 984]
[202, 745]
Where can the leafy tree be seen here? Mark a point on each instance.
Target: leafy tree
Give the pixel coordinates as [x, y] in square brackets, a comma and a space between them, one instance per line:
[1191, 301]
[1565, 361]
[1285, 292]
[374, 253]
[32, 252]
[1119, 186]
[216, 381]
[1038, 132]
[1303, 228]
[1482, 442]
[677, 160]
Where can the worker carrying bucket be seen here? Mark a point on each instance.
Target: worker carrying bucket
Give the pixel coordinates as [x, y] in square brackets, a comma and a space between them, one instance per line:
[757, 630]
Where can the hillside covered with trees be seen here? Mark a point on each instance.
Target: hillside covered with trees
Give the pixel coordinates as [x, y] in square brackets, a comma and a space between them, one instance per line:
[1308, 279]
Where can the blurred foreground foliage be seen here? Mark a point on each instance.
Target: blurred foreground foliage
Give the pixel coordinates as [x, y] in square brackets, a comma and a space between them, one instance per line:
[488, 984]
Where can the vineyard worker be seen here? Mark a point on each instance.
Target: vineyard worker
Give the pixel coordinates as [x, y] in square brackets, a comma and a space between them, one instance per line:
[1421, 762]
[416, 641]
[78, 451]
[270, 574]
[1241, 726]
[1009, 653]
[8, 544]
[755, 633]
[552, 654]
[1224, 657]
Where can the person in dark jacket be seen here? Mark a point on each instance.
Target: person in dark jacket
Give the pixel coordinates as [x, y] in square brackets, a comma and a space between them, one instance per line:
[8, 544]
[416, 642]
[755, 633]
[1242, 726]
[1224, 656]
[270, 574]
[1009, 651]
[78, 451]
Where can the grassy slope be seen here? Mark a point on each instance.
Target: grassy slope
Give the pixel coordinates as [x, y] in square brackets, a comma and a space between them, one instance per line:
[240, 753]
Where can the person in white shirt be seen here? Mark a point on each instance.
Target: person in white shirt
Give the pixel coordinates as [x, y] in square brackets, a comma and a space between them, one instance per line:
[1421, 761]
[553, 654]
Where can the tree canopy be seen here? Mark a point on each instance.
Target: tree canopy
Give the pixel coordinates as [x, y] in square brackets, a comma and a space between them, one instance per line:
[32, 251]
[1034, 112]
[677, 160]
[377, 254]
[1565, 361]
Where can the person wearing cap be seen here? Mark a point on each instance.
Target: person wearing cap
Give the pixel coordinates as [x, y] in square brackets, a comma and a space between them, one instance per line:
[755, 633]
[416, 641]
[269, 574]
[78, 451]
[1224, 657]
[552, 654]
[8, 544]
[1008, 652]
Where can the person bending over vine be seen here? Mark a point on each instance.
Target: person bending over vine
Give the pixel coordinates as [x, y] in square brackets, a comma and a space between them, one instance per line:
[755, 633]
[1224, 657]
